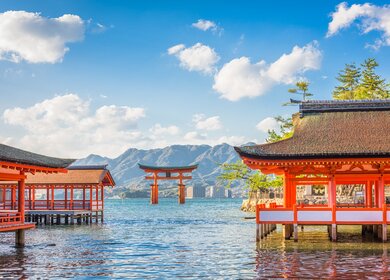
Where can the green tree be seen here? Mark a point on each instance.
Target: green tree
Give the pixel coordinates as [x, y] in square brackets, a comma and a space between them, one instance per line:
[349, 79]
[358, 84]
[301, 88]
[372, 86]
[285, 127]
[253, 179]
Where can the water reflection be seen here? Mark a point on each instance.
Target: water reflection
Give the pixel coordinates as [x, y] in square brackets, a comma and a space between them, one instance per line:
[315, 257]
[202, 239]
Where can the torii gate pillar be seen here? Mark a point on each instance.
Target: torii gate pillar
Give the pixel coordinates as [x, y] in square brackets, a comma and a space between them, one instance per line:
[168, 173]
[182, 194]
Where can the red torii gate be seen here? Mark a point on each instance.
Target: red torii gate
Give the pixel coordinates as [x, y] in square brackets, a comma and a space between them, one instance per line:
[167, 172]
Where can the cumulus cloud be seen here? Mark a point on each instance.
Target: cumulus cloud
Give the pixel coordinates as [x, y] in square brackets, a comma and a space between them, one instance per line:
[158, 129]
[268, 123]
[372, 18]
[205, 25]
[203, 123]
[36, 39]
[199, 57]
[66, 126]
[241, 78]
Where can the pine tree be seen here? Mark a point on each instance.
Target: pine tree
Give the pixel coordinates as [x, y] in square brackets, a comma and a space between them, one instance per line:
[301, 88]
[372, 86]
[349, 79]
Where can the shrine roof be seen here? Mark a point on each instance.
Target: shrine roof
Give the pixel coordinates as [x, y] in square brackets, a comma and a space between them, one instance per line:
[332, 129]
[18, 156]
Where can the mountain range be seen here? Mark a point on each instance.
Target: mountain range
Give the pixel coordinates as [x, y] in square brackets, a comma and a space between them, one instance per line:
[128, 176]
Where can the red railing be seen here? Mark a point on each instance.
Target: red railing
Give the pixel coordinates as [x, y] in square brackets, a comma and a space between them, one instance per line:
[10, 218]
[55, 205]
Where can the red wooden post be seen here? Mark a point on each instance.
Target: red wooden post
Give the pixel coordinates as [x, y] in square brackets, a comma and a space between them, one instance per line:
[29, 198]
[102, 196]
[83, 197]
[47, 196]
[52, 197]
[90, 197]
[381, 190]
[97, 196]
[13, 197]
[71, 197]
[369, 193]
[33, 197]
[182, 196]
[21, 189]
[66, 196]
[4, 197]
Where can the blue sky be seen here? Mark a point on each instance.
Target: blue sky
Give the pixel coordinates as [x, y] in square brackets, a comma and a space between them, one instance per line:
[103, 80]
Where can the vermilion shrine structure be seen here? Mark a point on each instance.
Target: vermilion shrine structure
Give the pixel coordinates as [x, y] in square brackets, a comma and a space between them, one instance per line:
[167, 173]
[335, 143]
[16, 165]
[77, 195]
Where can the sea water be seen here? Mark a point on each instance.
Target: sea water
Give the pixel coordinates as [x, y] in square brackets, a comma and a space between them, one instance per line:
[204, 238]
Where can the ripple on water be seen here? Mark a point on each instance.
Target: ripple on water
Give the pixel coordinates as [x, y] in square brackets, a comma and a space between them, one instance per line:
[202, 239]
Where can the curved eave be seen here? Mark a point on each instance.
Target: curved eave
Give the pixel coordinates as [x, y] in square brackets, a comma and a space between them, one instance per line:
[318, 156]
[167, 168]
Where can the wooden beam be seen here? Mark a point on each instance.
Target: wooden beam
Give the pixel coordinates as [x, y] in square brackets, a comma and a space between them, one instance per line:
[12, 177]
[168, 178]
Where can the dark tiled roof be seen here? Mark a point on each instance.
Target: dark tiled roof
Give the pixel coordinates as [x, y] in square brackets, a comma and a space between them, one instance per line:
[332, 129]
[14, 155]
[151, 167]
[88, 167]
[74, 176]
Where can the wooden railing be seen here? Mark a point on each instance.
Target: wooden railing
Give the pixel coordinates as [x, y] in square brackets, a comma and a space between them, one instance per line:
[55, 205]
[10, 218]
[321, 215]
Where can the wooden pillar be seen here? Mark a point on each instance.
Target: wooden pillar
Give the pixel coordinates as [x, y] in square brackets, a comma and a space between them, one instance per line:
[295, 229]
[102, 196]
[381, 190]
[29, 198]
[19, 238]
[13, 197]
[21, 189]
[182, 194]
[97, 197]
[66, 196]
[71, 197]
[19, 234]
[287, 190]
[332, 191]
[4, 197]
[83, 197]
[47, 197]
[90, 197]
[376, 194]
[384, 225]
[52, 198]
[33, 197]
[334, 224]
[154, 190]
[369, 194]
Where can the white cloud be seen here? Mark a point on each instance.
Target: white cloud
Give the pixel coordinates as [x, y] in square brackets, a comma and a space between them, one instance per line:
[199, 57]
[203, 123]
[158, 129]
[372, 18]
[240, 78]
[65, 126]
[204, 25]
[268, 123]
[36, 39]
